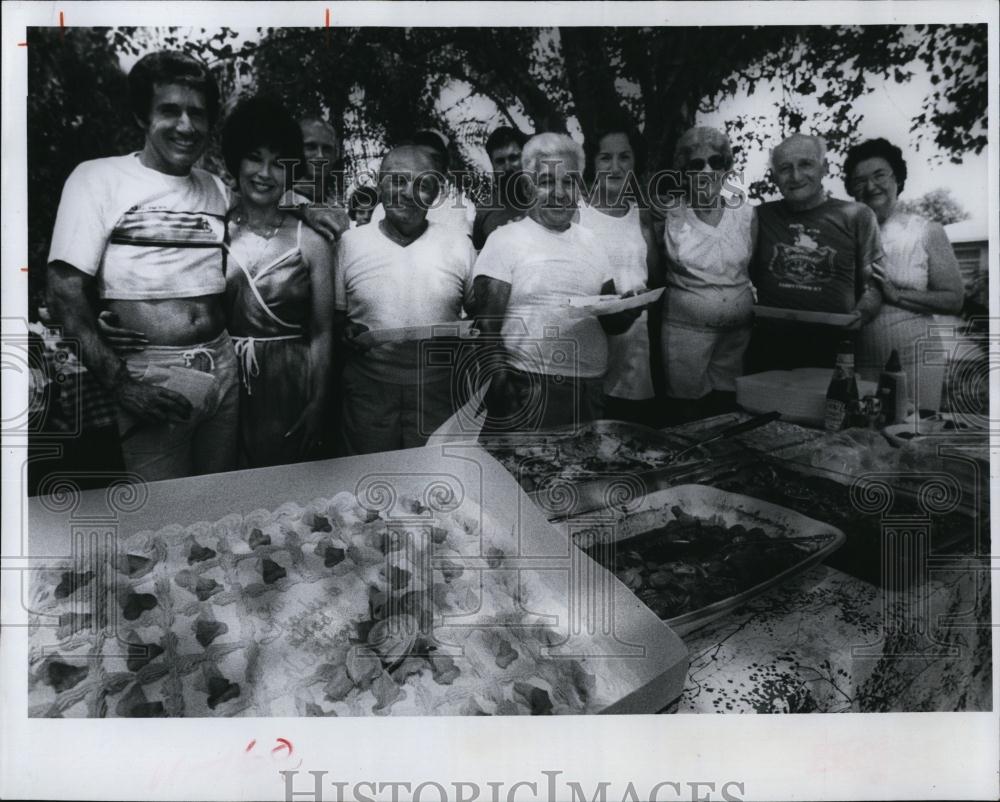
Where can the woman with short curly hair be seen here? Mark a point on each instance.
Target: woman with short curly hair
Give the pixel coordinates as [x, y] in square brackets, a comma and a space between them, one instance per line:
[920, 277]
[279, 292]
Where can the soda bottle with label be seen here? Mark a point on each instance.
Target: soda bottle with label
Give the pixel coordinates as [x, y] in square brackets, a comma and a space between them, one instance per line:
[842, 394]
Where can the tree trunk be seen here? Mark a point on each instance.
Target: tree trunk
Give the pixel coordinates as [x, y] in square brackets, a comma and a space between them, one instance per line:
[590, 79]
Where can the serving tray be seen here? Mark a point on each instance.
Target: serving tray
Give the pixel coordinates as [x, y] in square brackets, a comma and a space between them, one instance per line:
[848, 322]
[548, 465]
[828, 493]
[731, 509]
[457, 328]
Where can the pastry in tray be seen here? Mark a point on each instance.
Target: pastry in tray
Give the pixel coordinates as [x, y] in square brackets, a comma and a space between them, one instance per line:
[317, 609]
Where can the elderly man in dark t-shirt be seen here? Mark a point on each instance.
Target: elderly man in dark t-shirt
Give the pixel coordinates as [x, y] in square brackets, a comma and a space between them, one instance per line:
[813, 253]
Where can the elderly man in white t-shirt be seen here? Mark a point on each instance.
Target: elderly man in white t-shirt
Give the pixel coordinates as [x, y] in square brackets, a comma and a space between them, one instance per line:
[450, 207]
[548, 363]
[400, 272]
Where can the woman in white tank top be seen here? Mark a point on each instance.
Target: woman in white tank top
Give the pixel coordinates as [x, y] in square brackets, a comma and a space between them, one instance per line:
[614, 158]
[920, 277]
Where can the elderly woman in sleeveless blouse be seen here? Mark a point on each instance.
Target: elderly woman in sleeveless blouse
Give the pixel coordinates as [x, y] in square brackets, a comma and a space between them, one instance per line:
[920, 278]
[708, 304]
[279, 294]
[614, 156]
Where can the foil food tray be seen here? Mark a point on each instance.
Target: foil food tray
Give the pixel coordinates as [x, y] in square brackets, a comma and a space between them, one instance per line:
[548, 465]
[701, 501]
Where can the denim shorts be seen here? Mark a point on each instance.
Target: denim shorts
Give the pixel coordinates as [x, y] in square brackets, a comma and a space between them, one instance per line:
[205, 374]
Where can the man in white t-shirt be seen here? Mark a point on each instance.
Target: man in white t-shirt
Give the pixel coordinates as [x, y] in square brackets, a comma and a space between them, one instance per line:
[139, 239]
[399, 272]
[548, 364]
[451, 207]
[144, 233]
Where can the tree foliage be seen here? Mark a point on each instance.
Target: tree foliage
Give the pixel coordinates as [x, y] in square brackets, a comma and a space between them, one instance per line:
[76, 110]
[938, 205]
[384, 83]
[388, 80]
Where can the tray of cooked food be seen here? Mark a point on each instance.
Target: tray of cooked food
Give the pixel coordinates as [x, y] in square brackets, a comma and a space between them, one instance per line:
[417, 582]
[947, 516]
[855, 453]
[599, 464]
[693, 553]
[776, 438]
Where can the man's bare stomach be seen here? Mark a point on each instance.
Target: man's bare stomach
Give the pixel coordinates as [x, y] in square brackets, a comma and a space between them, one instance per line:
[172, 321]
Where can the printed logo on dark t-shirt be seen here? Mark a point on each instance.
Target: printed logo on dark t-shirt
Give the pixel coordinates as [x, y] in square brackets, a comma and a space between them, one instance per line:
[803, 264]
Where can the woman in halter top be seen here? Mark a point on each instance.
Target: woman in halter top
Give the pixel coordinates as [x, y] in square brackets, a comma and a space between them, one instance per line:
[279, 293]
[920, 278]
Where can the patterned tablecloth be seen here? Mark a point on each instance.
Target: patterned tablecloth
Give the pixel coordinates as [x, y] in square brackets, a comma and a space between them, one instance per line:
[829, 642]
[824, 643]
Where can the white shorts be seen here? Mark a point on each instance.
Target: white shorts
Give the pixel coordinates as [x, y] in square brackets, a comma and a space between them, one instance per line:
[699, 360]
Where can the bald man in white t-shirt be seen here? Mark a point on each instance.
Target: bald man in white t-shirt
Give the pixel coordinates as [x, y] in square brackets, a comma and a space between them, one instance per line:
[401, 271]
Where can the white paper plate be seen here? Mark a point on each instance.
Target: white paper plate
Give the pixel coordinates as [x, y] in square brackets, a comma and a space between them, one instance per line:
[458, 328]
[611, 304]
[940, 426]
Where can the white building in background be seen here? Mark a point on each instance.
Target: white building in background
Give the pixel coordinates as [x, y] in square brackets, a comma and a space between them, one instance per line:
[970, 240]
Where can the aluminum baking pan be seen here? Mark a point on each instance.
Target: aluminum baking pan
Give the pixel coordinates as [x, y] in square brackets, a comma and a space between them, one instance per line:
[707, 502]
[547, 475]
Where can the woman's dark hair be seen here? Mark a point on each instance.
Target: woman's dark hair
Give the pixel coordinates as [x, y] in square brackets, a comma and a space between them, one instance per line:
[259, 122]
[502, 137]
[169, 67]
[875, 149]
[592, 145]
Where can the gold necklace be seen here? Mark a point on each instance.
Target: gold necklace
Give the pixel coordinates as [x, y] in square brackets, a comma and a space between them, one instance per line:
[254, 252]
[267, 231]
